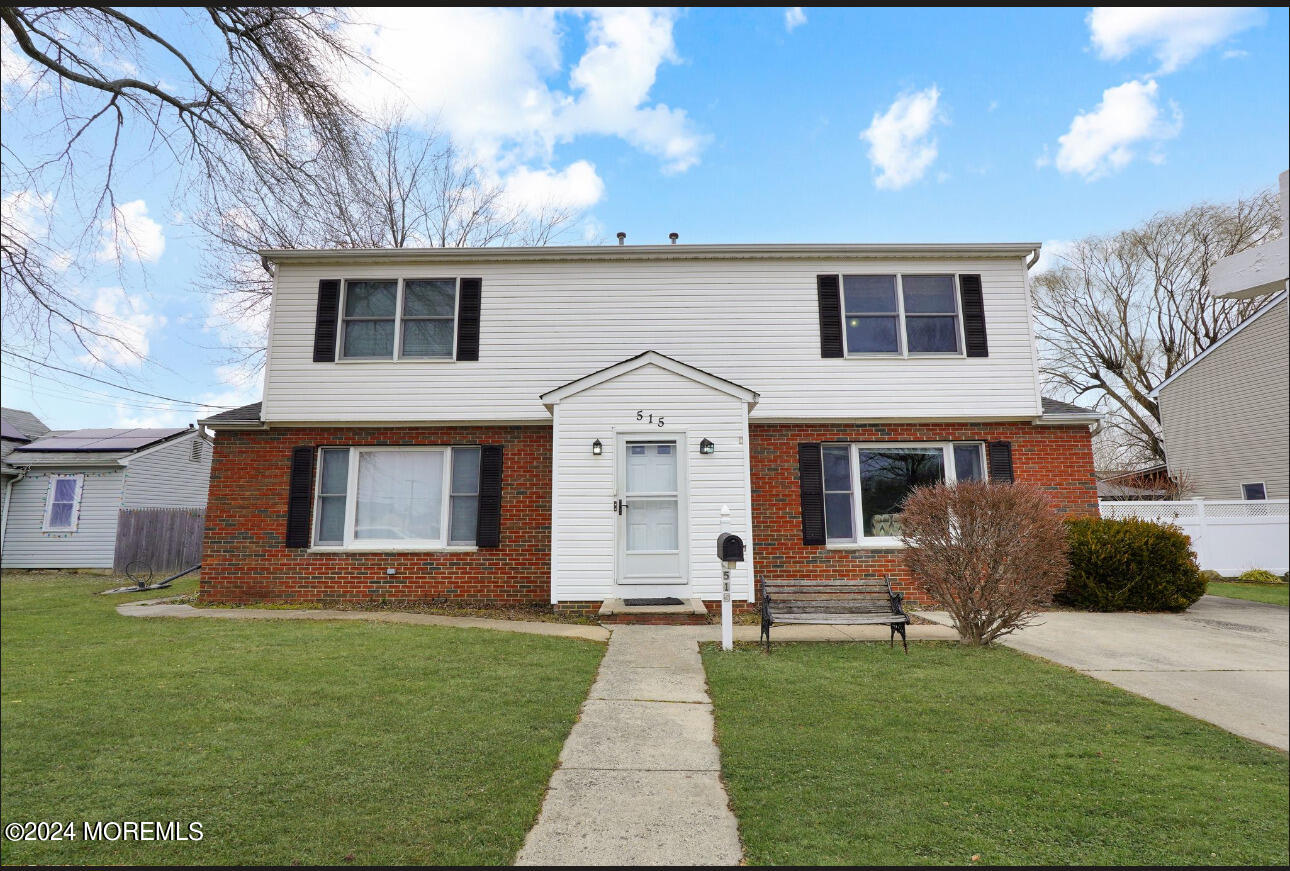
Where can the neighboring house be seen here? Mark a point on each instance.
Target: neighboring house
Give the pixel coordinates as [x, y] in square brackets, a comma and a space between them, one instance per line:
[17, 428]
[65, 490]
[565, 424]
[1224, 416]
[1137, 484]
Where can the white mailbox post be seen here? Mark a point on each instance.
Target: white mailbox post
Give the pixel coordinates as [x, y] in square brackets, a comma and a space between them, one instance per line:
[730, 550]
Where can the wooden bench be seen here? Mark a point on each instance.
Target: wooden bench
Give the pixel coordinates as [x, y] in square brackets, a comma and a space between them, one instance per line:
[863, 602]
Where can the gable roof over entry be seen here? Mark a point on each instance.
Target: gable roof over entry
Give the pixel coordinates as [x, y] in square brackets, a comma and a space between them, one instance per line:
[649, 358]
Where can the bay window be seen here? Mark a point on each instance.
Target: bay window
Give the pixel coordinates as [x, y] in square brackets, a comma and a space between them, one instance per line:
[396, 497]
[901, 315]
[866, 484]
[399, 319]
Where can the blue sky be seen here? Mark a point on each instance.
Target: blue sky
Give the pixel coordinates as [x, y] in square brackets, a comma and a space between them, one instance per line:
[745, 126]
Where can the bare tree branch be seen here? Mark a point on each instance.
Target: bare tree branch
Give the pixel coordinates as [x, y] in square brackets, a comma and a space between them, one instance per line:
[1120, 314]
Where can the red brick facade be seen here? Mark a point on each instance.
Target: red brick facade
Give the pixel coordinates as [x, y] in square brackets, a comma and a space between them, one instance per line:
[1058, 459]
[245, 560]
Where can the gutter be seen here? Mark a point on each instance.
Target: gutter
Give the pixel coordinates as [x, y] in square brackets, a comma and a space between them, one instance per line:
[653, 252]
[4, 511]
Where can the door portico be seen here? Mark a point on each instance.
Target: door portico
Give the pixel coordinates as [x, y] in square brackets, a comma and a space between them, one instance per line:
[636, 506]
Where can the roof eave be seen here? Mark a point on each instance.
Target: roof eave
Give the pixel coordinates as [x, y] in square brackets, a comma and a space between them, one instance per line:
[655, 252]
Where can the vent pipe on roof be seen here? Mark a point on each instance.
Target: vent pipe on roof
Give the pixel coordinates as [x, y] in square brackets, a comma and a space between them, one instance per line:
[674, 237]
[622, 238]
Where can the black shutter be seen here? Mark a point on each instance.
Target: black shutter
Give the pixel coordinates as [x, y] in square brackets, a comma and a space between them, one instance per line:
[300, 496]
[468, 319]
[328, 314]
[973, 305]
[826, 288]
[1000, 454]
[488, 532]
[810, 475]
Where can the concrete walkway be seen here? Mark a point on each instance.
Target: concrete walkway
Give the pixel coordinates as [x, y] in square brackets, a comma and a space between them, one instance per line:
[1226, 661]
[638, 782]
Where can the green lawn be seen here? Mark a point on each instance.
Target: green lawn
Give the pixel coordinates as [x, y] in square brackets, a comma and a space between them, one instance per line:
[856, 754]
[1273, 594]
[318, 743]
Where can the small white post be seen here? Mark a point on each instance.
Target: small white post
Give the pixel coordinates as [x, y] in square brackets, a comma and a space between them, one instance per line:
[1201, 539]
[727, 620]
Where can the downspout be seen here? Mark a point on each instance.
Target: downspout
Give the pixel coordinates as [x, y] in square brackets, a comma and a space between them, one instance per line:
[4, 511]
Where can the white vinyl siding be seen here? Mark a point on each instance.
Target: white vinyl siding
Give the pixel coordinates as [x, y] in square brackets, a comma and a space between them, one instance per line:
[168, 476]
[752, 321]
[584, 541]
[90, 546]
[1226, 420]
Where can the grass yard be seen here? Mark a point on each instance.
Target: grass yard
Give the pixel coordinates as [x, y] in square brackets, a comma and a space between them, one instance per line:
[318, 743]
[1273, 594]
[856, 754]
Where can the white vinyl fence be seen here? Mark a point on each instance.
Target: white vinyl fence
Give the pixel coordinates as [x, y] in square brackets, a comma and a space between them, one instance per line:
[1228, 535]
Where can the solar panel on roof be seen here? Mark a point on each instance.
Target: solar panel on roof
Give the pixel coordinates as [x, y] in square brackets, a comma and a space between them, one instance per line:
[101, 439]
[9, 431]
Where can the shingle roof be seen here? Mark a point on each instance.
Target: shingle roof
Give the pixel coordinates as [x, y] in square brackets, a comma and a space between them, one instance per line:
[24, 422]
[1057, 407]
[245, 414]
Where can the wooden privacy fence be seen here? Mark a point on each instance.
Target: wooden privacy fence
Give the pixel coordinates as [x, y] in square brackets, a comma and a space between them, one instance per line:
[167, 540]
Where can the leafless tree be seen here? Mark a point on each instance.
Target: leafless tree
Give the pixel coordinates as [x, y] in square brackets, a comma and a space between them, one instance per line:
[219, 91]
[404, 187]
[1119, 314]
[992, 555]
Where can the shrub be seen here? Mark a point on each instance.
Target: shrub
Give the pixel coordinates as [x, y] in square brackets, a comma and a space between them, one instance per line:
[1130, 565]
[1259, 576]
[992, 555]
[1209, 576]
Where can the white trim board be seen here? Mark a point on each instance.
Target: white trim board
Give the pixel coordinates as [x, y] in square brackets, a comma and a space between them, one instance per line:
[647, 358]
[1267, 307]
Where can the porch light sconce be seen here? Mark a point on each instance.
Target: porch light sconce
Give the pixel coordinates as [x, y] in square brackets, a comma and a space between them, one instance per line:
[597, 448]
[707, 447]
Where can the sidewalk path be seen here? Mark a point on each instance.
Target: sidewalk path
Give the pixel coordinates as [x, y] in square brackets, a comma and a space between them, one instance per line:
[638, 782]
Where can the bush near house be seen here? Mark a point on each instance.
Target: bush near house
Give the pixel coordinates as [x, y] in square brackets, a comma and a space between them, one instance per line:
[1130, 565]
[992, 555]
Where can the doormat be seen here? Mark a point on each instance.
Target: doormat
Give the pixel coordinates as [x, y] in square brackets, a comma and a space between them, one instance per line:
[638, 603]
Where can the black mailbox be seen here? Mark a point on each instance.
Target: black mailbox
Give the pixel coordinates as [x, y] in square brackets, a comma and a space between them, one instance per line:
[730, 548]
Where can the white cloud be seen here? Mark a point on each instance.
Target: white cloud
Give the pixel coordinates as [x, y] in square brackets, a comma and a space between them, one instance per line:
[577, 187]
[901, 146]
[794, 18]
[1106, 139]
[131, 235]
[1050, 255]
[125, 319]
[1175, 35]
[27, 213]
[487, 76]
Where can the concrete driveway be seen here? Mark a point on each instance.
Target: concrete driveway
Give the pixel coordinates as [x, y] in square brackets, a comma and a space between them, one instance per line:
[1224, 660]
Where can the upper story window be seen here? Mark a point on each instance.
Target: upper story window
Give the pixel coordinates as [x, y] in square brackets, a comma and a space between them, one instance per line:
[901, 314]
[866, 484]
[396, 319]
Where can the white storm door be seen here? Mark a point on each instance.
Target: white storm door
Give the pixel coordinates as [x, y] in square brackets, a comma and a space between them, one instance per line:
[651, 529]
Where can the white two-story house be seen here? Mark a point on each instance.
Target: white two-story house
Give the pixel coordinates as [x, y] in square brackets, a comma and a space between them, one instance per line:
[564, 425]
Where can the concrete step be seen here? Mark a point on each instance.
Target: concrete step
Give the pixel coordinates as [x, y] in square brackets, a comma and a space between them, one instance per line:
[690, 613]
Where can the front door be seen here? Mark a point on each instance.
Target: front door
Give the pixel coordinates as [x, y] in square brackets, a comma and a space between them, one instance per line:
[651, 526]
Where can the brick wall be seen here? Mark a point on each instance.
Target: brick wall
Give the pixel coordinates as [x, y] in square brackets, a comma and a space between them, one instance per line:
[1059, 460]
[244, 559]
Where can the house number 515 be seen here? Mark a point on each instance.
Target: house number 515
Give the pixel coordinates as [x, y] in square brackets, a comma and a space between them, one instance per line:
[648, 417]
